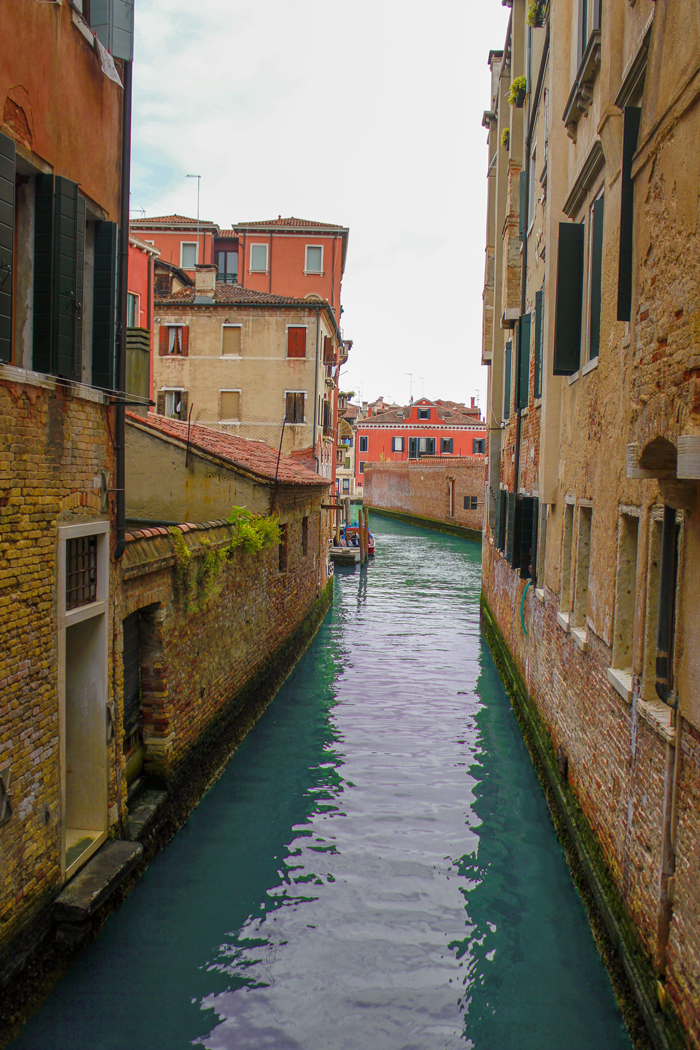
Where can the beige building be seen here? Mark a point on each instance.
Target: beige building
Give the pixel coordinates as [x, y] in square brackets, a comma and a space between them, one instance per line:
[249, 363]
[592, 340]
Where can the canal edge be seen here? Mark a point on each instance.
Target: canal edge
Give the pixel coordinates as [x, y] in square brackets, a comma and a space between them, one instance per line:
[428, 523]
[631, 974]
[43, 959]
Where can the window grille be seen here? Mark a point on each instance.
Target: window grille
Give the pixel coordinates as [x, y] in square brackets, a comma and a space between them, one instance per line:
[81, 571]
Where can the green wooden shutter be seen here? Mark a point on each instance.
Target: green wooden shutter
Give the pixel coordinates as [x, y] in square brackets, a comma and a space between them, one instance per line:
[596, 263]
[624, 276]
[539, 337]
[7, 243]
[59, 248]
[521, 217]
[497, 519]
[510, 527]
[528, 531]
[104, 306]
[502, 521]
[66, 305]
[524, 329]
[80, 286]
[506, 392]
[533, 548]
[569, 302]
[42, 357]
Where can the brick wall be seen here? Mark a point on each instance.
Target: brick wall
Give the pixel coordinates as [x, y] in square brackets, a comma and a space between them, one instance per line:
[53, 445]
[421, 488]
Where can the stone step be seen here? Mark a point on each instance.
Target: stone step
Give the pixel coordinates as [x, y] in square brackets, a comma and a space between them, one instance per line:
[96, 882]
[145, 809]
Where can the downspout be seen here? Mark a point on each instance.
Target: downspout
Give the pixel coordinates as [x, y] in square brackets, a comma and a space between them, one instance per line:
[313, 436]
[121, 315]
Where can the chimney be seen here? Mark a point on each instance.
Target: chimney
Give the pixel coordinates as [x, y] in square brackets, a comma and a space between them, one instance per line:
[204, 281]
[473, 405]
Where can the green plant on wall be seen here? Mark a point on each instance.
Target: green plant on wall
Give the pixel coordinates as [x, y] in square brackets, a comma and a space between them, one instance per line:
[517, 91]
[505, 137]
[254, 532]
[209, 569]
[535, 13]
[183, 558]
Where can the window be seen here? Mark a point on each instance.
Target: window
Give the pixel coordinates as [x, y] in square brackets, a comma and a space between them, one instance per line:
[231, 340]
[450, 497]
[566, 547]
[582, 567]
[624, 278]
[595, 275]
[507, 380]
[162, 284]
[569, 300]
[346, 484]
[471, 502]
[173, 404]
[364, 440]
[524, 332]
[230, 404]
[478, 446]
[258, 258]
[397, 444]
[283, 549]
[173, 340]
[81, 571]
[361, 468]
[133, 313]
[418, 447]
[188, 255]
[625, 592]
[446, 445]
[424, 413]
[314, 259]
[539, 340]
[227, 267]
[305, 536]
[295, 407]
[296, 341]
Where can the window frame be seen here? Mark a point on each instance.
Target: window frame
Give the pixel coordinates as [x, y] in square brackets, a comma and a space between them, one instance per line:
[253, 269]
[596, 196]
[423, 413]
[363, 438]
[226, 324]
[171, 328]
[402, 440]
[189, 244]
[446, 451]
[307, 270]
[136, 298]
[296, 357]
[230, 419]
[302, 421]
[170, 392]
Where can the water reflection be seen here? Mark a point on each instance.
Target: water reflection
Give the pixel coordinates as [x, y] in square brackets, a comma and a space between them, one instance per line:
[376, 869]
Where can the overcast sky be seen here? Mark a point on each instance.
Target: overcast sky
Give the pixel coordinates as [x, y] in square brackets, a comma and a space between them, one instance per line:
[364, 114]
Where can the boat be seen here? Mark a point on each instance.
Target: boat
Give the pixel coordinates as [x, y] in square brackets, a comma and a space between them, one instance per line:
[350, 537]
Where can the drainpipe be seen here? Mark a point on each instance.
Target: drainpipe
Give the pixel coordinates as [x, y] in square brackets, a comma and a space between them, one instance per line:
[313, 438]
[120, 427]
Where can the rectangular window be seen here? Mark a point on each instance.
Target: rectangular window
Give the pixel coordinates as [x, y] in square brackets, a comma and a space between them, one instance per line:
[133, 314]
[426, 446]
[625, 592]
[81, 571]
[582, 567]
[569, 300]
[507, 379]
[471, 502]
[478, 446]
[364, 439]
[424, 413]
[595, 278]
[397, 444]
[282, 548]
[231, 340]
[295, 407]
[502, 519]
[305, 535]
[296, 341]
[527, 554]
[174, 339]
[446, 446]
[624, 276]
[524, 328]
[566, 550]
[346, 484]
[230, 404]
[258, 258]
[188, 255]
[173, 404]
[227, 267]
[314, 259]
[361, 468]
[539, 341]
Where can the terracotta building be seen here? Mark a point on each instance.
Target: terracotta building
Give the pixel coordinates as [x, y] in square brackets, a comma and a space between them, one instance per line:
[592, 282]
[423, 428]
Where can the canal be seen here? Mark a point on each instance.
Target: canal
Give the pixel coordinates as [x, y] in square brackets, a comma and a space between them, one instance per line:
[375, 870]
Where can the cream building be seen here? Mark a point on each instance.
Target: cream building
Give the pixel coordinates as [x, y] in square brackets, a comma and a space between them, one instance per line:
[251, 364]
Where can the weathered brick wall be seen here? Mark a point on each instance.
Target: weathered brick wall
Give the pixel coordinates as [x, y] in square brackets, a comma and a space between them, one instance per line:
[207, 642]
[420, 487]
[616, 755]
[52, 447]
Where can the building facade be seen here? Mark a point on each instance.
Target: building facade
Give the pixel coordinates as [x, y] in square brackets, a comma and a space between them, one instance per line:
[590, 336]
[432, 490]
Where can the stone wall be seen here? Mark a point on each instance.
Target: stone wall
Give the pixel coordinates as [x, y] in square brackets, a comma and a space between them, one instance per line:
[420, 487]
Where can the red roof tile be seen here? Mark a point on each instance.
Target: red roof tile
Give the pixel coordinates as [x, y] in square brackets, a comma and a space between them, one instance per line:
[170, 220]
[291, 221]
[253, 456]
[233, 293]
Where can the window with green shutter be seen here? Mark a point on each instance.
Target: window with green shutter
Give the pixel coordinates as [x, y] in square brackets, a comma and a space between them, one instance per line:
[502, 519]
[524, 328]
[104, 306]
[624, 277]
[539, 341]
[528, 537]
[7, 240]
[569, 300]
[596, 271]
[507, 384]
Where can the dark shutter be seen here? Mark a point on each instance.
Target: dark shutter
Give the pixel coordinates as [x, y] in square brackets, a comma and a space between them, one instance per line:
[80, 286]
[528, 527]
[289, 409]
[510, 526]
[328, 357]
[497, 521]
[160, 403]
[185, 340]
[502, 519]
[59, 248]
[624, 278]
[296, 342]
[184, 404]
[43, 273]
[162, 341]
[104, 309]
[413, 448]
[506, 392]
[596, 264]
[533, 549]
[539, 336]
[430, 446]
[567, 318]
[524, 360]
[7, 242]
[522, 206]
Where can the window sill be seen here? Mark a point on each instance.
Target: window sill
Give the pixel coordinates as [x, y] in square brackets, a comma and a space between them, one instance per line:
[563, 621]
[580, 636]
[314, 273]
[621, 681]
[658, 716]
[263, 272]
[539, 594]
[590, 365]
[537, 402]
[573, 377]
[525, 412]
[82, 27]
[233, 357]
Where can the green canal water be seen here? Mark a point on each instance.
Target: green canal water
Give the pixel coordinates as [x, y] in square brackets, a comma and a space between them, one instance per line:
[375, 870]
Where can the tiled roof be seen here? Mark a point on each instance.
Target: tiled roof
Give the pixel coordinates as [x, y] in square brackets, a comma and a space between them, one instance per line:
[227, 235]
[254, 456]
[233, 293]
[456, 415]
[291, 221]
[350, 411]
[171, 220]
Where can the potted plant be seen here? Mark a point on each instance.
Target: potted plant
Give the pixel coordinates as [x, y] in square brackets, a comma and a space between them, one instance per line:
[505, 138]
[535, 13]
[516, 95]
